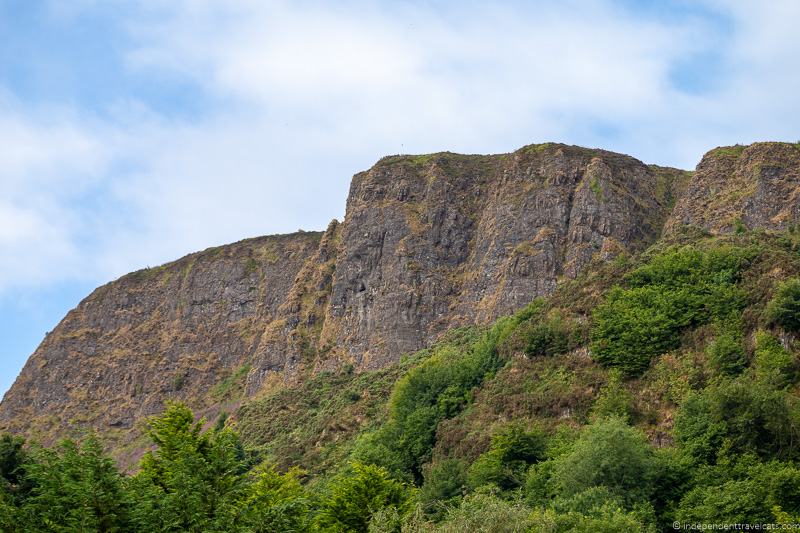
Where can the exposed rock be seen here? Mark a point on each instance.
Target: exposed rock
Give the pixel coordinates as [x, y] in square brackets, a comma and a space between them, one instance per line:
[437, 241]
[172, 332]
[742, 187]
[428, 243]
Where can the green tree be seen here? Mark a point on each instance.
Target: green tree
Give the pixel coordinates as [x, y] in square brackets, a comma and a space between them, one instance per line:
[276, 502]
[444, 485]
[609, 454]
[737, 416]
[676, 290]
[773, 365]
[193, 480]
[13, 478]
[505, 464]
[76, 488]
[784, 309]
[356, 496]
[614, 399]
[727, 353]
[8, 513]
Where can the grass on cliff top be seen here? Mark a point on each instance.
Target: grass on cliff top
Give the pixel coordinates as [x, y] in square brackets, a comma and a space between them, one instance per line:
[728, 151]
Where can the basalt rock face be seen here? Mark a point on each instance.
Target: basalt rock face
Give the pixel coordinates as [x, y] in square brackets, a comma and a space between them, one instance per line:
[172, 332]
[738, 188]
[438, 241]
[428, 243]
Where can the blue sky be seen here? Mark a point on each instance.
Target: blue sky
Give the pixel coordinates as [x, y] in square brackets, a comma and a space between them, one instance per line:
[134, 132]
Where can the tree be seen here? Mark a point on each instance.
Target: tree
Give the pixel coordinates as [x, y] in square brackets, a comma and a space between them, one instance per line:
[356, 496]
[193, 480]
[13, 478]
[444, 485]
[608, 454]
[76, 488]
[784, 309]
[512, 450]
[276, 502]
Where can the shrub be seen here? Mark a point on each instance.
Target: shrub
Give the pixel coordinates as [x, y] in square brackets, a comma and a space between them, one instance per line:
[773, 365]
[542, 332]
[13, 458]
[676, 290]
[736, 416]
[8, 512]
[606, 519]
[512, 450]
[609, 454]
[357, 495]
[727, 353]
[435, 390]
[745, 493]
[444, 485]
[486, 512]
[614, 399]
[784, 309]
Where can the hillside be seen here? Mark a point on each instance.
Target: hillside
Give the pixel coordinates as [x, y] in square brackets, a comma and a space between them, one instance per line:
[557, 339]
[428, 243]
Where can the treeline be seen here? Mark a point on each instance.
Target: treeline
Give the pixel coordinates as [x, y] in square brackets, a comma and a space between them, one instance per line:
[731, 394]
[606, 477]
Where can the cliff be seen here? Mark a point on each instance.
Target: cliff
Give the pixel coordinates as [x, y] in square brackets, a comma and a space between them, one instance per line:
[741, 188]
[428, 243]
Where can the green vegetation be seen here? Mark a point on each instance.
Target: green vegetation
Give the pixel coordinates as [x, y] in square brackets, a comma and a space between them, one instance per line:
[680, 289]
[358, 495]
[728, 151]
[657, 388]
[784, 309]
[227, 386]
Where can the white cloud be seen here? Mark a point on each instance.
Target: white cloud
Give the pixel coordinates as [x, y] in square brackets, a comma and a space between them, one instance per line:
[305, 94]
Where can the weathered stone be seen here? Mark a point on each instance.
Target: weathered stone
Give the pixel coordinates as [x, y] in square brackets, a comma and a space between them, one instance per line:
[742, 187]
[428, 243]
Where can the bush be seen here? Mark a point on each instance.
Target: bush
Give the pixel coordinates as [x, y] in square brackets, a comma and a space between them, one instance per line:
[548, 334]
[609, 454]
[435, 390]
[727, 353]
[736, 416]
[484, 512]
[13, 478]
[614, 399]
[357, 495]
[784, 309]
[746, 493]
[773, 365]
[606, 519]
[679, 289]
[512, 450]
[444, 485]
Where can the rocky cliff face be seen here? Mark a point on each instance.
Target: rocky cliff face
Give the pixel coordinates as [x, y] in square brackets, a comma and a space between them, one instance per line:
[742, 187]
[172, 332]
[428, 243]
[438, 241]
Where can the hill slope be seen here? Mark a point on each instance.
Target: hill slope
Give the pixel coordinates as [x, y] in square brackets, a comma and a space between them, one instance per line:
[428, 243]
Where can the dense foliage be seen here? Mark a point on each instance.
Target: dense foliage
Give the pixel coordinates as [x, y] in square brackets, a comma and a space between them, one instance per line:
[673, 397]
[683, 288]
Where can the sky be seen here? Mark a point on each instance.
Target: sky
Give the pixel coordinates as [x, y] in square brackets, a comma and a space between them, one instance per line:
[134, 132]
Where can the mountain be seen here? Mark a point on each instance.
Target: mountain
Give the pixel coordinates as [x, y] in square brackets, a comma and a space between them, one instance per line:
[429, 244]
